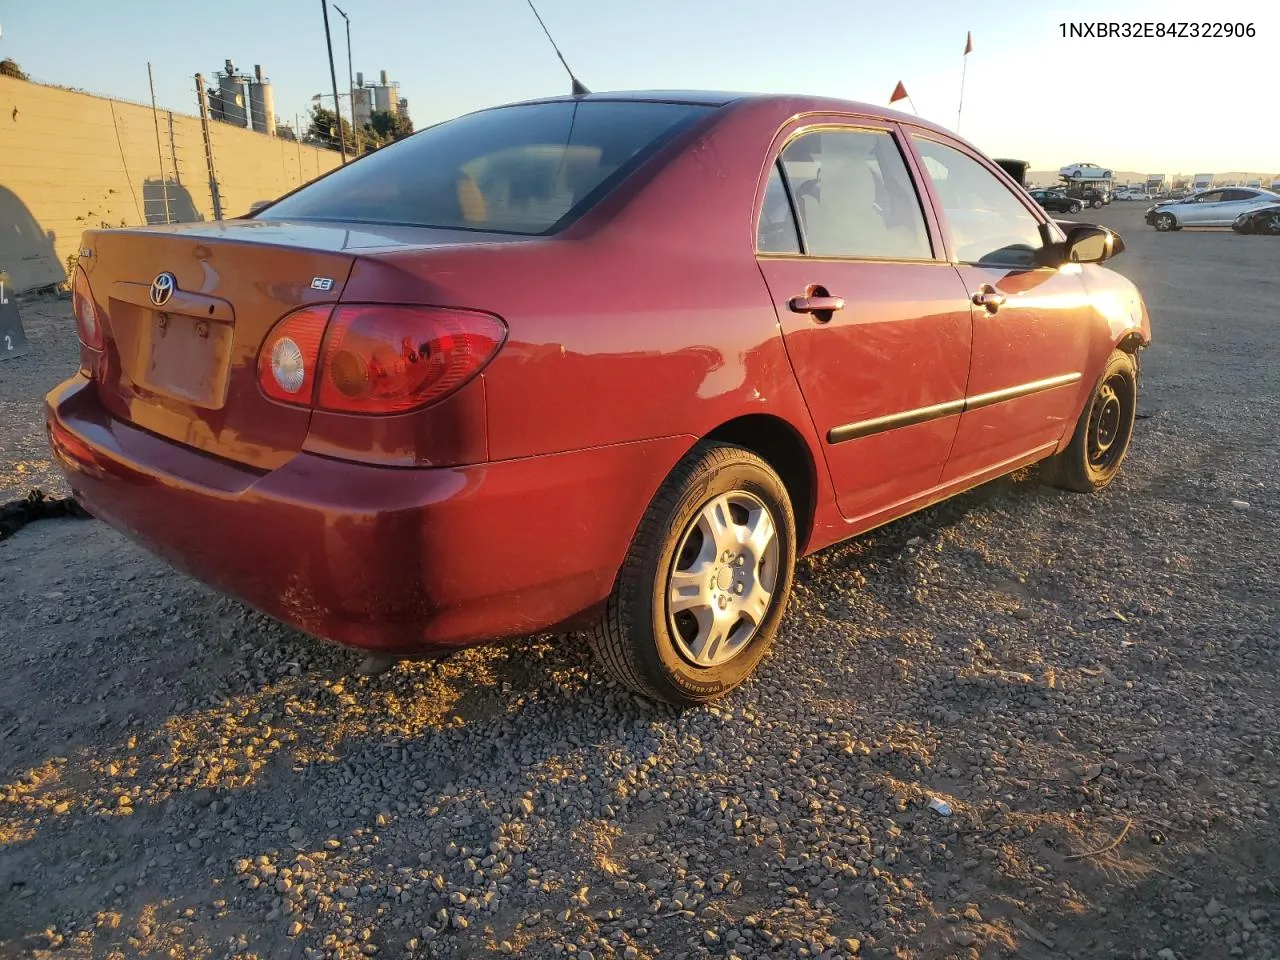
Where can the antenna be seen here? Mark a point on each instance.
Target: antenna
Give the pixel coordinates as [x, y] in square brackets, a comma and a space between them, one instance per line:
[578, 88]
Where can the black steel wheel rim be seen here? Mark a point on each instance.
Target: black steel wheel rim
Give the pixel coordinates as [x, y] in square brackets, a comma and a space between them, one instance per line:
[1109, 422]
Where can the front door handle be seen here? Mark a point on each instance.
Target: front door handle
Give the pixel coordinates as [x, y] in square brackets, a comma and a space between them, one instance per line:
[816, 304]
[989, 297]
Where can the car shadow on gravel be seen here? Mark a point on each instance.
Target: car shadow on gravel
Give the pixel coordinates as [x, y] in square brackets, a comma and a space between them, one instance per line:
[217, 734]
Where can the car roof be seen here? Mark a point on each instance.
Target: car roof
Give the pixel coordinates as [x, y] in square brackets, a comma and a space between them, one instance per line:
[786, 103]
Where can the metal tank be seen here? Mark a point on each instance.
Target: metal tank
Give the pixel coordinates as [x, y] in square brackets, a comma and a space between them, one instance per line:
[234, 97]
[363, 104]
[262, 103]
[386, 96]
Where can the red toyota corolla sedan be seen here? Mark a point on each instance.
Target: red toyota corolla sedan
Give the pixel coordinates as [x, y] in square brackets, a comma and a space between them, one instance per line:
[609, 362]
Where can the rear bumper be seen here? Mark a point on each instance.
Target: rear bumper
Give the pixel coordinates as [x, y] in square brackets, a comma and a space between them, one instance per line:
[404, 561]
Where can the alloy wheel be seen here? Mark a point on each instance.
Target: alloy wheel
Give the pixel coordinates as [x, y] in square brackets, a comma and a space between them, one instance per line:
[722, 579]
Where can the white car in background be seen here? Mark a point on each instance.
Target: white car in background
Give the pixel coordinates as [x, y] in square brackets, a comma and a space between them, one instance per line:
[1218, 207]
[1085, 171]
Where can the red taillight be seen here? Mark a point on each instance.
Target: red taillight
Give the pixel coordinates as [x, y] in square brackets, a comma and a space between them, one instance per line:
[88, 322]
[287, 364]
[389, 359]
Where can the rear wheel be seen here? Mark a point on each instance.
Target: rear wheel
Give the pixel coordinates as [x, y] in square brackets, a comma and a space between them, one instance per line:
[1103, 433]
[1164, 222]
[1075, 207]
[1097, 204]
[706, 581]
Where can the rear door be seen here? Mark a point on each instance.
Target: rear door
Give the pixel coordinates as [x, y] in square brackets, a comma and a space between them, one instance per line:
[1235, 202]
[1031, 325]
[876, 323]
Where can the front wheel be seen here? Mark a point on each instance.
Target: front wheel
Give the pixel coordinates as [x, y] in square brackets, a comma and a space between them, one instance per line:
[1164, 222]
[1097, 204]
[1103, 433]
[706, 581]
[1075, 207]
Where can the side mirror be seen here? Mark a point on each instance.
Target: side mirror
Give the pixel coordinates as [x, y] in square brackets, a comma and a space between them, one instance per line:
[1088, 244]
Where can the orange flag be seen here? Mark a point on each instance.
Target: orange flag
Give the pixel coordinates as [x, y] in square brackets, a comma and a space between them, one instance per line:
[968, 43]
[899, 93]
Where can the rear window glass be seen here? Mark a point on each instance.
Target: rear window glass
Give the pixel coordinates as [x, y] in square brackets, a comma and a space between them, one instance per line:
[526, 169]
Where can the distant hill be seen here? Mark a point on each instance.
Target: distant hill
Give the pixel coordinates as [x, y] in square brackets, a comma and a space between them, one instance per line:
[1046, 177]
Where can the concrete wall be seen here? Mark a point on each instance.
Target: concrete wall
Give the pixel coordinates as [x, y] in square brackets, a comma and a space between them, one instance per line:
[71, 161]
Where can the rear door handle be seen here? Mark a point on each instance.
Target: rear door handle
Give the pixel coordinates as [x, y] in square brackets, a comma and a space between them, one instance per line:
[989, 297]
[816, 304]
[816, 301]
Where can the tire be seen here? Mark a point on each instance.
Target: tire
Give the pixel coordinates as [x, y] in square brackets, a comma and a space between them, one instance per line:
[1103, 433]
[1164, 222]
[1097, 204]
[1075, 208]
[651, 650]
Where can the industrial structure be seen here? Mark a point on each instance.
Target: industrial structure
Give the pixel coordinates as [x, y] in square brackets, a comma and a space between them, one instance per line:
[244, 100]
[381, 97]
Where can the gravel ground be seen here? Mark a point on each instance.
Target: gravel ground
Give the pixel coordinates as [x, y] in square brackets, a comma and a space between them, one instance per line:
[1089, 682]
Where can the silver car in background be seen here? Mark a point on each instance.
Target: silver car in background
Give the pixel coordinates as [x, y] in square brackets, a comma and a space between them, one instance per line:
[1217, 207]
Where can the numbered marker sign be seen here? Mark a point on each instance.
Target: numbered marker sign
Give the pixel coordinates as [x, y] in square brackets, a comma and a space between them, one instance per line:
[13, 339]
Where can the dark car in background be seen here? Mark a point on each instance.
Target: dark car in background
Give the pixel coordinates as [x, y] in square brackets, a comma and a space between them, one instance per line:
[1265, 221]
[1089, 196]
[1056, 201]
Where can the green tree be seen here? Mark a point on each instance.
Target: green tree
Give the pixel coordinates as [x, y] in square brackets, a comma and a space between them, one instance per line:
[324, 128]
[390, 126]
[9, 68]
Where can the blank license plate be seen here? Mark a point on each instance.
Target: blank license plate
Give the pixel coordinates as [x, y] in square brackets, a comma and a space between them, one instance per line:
[188, 358]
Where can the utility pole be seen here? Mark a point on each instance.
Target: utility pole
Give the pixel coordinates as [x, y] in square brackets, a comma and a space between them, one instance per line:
[333, 75]
[297, 140]
[202, 97]
[164, 184]
[351, 83]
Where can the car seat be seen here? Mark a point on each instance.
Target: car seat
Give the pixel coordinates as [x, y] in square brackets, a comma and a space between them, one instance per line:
[844, 219]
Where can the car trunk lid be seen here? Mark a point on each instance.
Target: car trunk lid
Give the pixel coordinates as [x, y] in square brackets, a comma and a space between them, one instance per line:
[187, 368]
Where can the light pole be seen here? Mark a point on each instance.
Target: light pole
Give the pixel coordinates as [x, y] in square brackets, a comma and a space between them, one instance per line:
[351, 83]
[333, 76]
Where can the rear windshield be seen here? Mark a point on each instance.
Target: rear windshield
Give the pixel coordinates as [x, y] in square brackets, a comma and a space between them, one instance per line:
[527, 169]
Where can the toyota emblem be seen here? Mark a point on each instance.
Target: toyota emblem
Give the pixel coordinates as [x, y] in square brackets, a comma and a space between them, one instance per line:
[162, 288]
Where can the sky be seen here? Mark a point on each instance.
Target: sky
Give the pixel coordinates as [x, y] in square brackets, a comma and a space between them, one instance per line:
[1142, 104]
